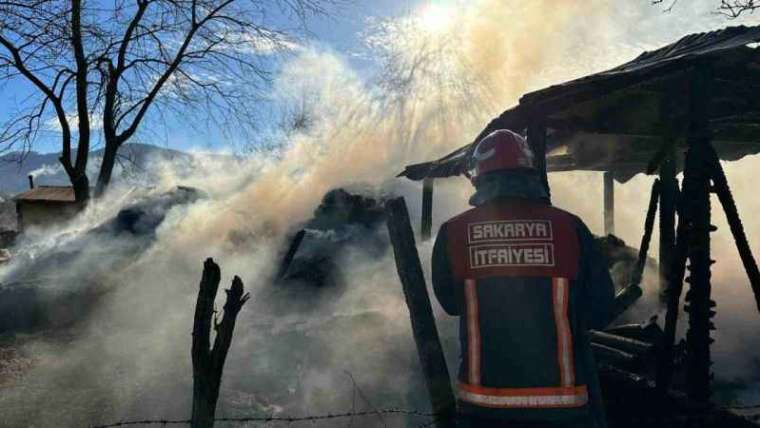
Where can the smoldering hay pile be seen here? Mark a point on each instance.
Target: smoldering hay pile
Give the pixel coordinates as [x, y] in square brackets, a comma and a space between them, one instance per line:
[441, 77]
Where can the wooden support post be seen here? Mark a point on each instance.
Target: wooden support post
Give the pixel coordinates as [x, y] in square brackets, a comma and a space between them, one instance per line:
[609, 203]
[421, 313]
[696, 203]
[208, 364]
[675, 273]
[537, 142]
[668, 195]
[630, 294]
[737, 229]
[427, 209]
[673, 240]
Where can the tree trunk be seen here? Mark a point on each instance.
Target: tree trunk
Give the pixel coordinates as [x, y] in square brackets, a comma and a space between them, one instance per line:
[106, 168]
[208, 364]
[81, 186]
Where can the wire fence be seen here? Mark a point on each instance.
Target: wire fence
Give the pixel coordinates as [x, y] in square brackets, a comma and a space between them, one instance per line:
[357, 414]
[283, 419]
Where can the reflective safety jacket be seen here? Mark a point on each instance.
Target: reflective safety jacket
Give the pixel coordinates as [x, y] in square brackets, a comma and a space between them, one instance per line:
[527, 282]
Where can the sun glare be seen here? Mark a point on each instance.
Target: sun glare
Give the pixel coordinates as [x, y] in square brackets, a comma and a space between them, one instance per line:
[436, 17]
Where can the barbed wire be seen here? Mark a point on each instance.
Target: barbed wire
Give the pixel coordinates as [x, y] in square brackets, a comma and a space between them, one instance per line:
[266, 419]
[742, 407]
[329, 416]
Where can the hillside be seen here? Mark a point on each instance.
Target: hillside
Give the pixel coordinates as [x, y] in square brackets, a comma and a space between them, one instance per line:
[47, 170]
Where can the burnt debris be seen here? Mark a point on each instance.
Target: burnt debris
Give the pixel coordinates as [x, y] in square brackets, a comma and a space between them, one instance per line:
[341, 220]
[44, 287]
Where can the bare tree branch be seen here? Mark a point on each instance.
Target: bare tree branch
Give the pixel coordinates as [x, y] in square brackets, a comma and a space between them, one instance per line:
[730, 8]
[122, 60]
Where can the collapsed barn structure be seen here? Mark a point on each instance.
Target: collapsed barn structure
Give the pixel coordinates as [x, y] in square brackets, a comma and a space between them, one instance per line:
[680, 108]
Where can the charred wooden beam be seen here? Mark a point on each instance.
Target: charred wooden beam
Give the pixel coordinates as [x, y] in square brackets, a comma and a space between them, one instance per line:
[609, 203]
[668, 195]
[675, 272]
[208, 364]
[626, 344]
[646, 239]
[421, 313]
[673, 261]
[648, 331]
[630, 294]
[537, 142]
[696, 194]
[427, 209]
[291, 253]
[625, 298]
[613, 355]
[737, 229]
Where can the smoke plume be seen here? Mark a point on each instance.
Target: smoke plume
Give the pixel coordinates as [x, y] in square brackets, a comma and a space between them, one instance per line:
[443, 71]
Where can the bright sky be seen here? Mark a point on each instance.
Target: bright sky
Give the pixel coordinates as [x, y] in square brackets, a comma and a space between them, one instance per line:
[639, 24]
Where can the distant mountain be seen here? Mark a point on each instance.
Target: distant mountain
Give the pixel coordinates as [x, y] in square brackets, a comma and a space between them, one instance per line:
[47, 169]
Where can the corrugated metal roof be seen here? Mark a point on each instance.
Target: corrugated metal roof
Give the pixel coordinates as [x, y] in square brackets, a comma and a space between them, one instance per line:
[48, 194]
[678, 54]
[728, 45]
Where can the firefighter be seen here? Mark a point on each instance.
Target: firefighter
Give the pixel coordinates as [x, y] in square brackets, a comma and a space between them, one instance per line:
[527, 281]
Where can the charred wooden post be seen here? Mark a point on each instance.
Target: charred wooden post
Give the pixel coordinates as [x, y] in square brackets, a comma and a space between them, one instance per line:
[723, 191]
[421, 313]
[672, 260]
[628, 296]
[208, 363]
[696, 194]
[675, 272]
[626, 344]
[693, 244]
[291, 253]
[427, 209]
[537, 142]
[646, 239]
[609, 203]
[613, 355]
[668, 195]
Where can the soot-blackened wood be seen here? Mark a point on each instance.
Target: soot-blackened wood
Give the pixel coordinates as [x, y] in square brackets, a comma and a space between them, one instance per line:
[421, 313]
[609, 203]
[735, 223]
[675, 271]
[673, 239]
[668, 196]
[630, 294]
[427, 209]
[696, 200]
[641, 262]
[537, 143]
[208, 363]
[292, 250]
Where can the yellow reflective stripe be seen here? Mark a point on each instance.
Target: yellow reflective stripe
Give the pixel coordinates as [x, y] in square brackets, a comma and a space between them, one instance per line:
[473, 332]
[524, 397]
[560, 293]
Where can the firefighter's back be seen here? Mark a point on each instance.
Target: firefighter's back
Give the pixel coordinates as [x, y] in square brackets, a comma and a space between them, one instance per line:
[518, 265]
[527, 282]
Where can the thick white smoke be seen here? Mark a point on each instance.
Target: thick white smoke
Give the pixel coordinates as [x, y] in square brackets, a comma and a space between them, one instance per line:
[443, 74]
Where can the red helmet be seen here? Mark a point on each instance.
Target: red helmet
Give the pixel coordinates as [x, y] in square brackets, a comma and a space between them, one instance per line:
[501, 150]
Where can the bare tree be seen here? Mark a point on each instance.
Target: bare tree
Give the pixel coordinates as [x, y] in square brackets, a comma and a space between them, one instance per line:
[42, 41]
[118, 60]
[729, 8]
